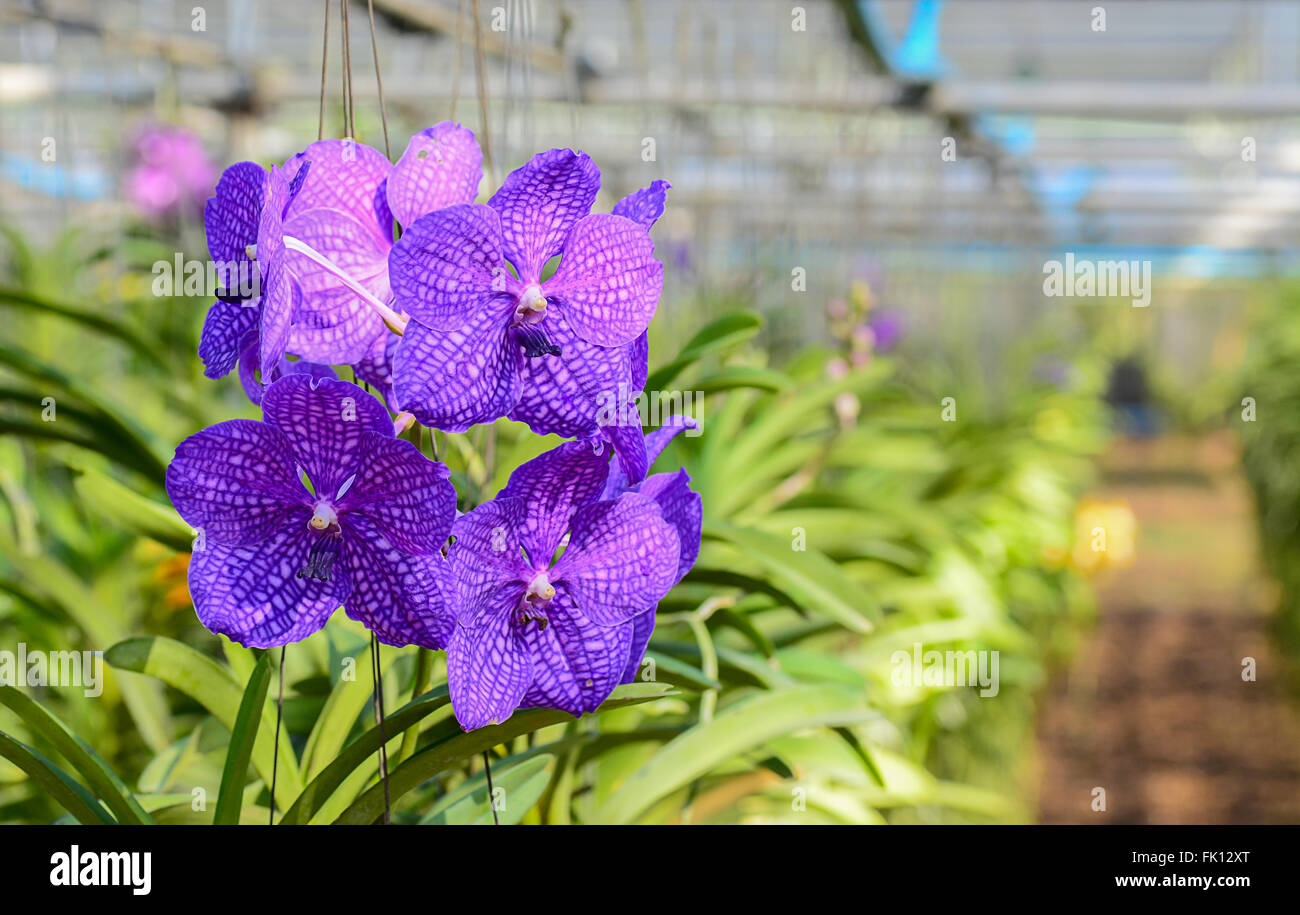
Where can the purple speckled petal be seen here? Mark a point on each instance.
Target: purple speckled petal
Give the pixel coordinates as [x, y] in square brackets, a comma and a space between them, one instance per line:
[376, 368]
[396, 594]
[621, 559]
[223, 329]
[645, 206]
[552, 487]
[568, 394]
[235, 481]
[608, 280]
[250, 365]
[332, 323]
[629, 447]
[326, 423]
[540, 202]
[638, 354]
[655, 442]
[349, 177]
[576, 664]
[683, 509]
[442, 165]
[279, 306]
[253, 594]
[488, 671]
[447, 266]
[231, 216]
[641, 627]
[280, 293]
[459, 378]
[487, 561]
[406, 495]
[250, 376]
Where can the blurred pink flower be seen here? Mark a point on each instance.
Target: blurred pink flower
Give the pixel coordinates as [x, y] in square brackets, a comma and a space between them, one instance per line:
[168, 172]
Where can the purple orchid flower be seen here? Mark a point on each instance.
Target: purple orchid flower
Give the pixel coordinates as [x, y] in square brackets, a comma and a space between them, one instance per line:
[323, 248]
[315, 506]
[537, 631]
[681, 507]
[588, 391]
[470, 278]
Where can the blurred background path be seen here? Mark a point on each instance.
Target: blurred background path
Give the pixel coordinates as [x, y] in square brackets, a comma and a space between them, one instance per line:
[1153, 707]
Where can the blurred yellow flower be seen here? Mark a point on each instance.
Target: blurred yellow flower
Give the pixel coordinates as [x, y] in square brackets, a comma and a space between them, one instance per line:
[1105, 535]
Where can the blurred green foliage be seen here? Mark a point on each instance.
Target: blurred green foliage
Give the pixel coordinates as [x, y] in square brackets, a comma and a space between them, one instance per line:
[1267, 413]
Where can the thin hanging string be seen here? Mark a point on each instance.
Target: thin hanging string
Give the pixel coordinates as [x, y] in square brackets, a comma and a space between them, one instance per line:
[492, 801]
[275, 752]
[379, 80]
[324, 59]
[516, 138]
[460, 44]
[350, 111]
[377, 674]
[482, 91]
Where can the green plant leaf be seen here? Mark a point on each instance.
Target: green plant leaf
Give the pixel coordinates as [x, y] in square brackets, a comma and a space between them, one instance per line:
[78, 753]
[326, 782]
[743, 377]
[736, 729]
[128, 509]
[455, 749]
[727, 331]
[18, 298]
[59, 785]
[212, 686]
[242, 736]
[345, 703]
[668, 669]
[523, 782]
[817, 582]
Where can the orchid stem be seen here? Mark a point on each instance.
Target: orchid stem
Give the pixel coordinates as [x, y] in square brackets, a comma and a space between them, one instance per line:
[492, 801]
[377, 675]
[275, 752]
[396, 323]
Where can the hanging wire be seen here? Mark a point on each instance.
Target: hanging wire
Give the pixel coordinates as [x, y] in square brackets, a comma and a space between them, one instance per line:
[349, 114]
[482, 90]
[377, 675]
[275, 752]
[379, 80]
[460, 44]
[324, 59]
[492, 801]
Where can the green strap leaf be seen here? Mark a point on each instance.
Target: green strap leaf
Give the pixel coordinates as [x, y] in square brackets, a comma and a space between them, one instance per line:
[242, 736]
[212, 686]
[736, 729]
[819, 584]
[59, 785]
[96, 322]
[520, 783]
[327, 781]
[346, 701]
[727, 331]
[79, 754]
[456, 749]
[743, 377]
[130, 510]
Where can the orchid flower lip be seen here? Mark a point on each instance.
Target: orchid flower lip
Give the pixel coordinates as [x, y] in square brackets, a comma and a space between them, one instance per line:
[540, 588]
[323, 516]
[532, 305]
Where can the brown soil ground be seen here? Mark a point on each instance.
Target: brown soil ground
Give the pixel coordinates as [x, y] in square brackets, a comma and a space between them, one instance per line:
[1153, 707]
